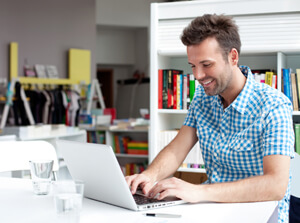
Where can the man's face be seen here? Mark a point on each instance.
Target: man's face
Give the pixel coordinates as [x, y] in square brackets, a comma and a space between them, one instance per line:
[209, 67]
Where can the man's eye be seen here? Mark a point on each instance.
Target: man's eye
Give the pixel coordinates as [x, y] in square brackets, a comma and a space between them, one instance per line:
[206, 65]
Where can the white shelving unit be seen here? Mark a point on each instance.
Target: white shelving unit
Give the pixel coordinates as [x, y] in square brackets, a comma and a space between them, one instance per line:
[135, 134]
[270, 35]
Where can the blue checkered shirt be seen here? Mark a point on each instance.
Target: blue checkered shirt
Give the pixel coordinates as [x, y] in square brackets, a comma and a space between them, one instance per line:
[234, 140]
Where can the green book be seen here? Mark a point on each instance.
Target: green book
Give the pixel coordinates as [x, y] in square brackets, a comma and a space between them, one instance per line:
[297, 138]
[192, 86]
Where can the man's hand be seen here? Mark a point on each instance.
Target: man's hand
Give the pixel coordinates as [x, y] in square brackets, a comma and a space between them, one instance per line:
[178, 188]
[141, 180]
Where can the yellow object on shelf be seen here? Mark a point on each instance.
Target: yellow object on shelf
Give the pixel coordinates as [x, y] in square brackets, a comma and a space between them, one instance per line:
[13, 62]
[36, 80]
[80, 65]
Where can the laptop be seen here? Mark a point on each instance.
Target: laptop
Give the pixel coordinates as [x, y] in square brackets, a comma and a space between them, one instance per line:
[97, 166]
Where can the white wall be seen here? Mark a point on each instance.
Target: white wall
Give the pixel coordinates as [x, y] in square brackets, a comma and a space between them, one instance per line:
[45, 30]
[130, 13]
[115, 46]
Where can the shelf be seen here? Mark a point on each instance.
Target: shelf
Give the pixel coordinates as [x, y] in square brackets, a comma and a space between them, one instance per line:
[131, 156]
[35, 80]
[54, 136]
[172, 111]
[191, 170]
[296, 113]
[112, 129]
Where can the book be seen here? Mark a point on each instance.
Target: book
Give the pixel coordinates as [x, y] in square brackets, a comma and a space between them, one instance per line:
[274, 82]
[51, 71]
[179, 91]
[297, 137]
[175, 91]
[170, 90]
[298, 84]
[160, 88]
[192, 86]
[184, 94]
[40, 70]
[269, 78]
[165, 90]
[294, 92]
[287, 83]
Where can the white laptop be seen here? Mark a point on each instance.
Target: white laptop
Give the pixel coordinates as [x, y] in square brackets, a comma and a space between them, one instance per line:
[97, 166]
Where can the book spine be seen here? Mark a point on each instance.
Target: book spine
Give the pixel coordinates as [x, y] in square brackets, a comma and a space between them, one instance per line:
[294, 91]
[298, 85]
[165, 89]
[188, 91]
[184, 95]
[160, 88]
[178, 91]
[286, 83]
[297, 138]
[192, 86]
[269, 78]
[175, 91]
[170, 90]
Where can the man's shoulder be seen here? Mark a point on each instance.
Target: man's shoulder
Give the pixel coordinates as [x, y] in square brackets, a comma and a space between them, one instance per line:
[269, 97]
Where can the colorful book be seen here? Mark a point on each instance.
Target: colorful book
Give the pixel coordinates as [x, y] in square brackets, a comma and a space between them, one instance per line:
[170, 90]
[298, 84]
[165, 89]
[192, 86]
[160, 88]
[175, 91]
[269, 78]
[184, 94]
[297, 138]
[294, 92]
[287, 83]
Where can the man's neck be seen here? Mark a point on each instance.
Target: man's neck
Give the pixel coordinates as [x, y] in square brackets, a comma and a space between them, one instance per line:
[237, 85]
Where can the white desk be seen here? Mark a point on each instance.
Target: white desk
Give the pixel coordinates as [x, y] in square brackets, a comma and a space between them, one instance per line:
[19, 204]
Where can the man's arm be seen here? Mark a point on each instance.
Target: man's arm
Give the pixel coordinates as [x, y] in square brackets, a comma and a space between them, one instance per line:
[271, 185]
[166, 162]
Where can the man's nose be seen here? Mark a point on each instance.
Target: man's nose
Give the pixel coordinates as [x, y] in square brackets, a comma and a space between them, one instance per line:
[198, 73]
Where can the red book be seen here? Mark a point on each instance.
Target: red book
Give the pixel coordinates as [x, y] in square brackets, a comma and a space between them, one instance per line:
[170, 90]
[160, 88]
[175, 91]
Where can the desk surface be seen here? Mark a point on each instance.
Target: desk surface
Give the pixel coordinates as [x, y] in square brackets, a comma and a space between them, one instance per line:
[19, 204]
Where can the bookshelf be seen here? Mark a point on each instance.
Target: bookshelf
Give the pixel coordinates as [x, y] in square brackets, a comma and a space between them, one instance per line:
[109, 132]
[269, 35]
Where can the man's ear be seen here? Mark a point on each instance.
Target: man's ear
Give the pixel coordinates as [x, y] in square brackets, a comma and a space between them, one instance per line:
[233, 57]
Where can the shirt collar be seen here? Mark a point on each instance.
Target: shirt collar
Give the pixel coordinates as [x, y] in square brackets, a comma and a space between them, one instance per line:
[240, 103]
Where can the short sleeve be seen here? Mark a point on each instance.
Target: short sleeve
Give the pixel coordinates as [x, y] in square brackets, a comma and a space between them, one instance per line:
[278, 136]
[190, 118]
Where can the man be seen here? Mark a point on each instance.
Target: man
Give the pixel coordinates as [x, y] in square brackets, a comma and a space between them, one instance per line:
[244, 128]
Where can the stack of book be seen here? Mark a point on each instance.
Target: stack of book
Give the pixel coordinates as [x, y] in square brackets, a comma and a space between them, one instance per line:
[121, 144]
[96, 137]
[266, 76]
[133, 168]
[137, 148]
[175, 89]
[124, 145]
[291, 86]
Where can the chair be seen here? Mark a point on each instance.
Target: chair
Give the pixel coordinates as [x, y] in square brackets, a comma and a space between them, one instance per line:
[15, 155]
[295, 190]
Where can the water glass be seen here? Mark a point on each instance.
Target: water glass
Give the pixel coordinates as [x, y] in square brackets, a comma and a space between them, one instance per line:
[68, 200]
[41, 175]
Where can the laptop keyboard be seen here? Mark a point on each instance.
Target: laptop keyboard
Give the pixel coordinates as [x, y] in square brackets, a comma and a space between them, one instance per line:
[139, 199]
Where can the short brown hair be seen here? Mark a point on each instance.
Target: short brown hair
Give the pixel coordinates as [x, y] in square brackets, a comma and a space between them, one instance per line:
[221, 27]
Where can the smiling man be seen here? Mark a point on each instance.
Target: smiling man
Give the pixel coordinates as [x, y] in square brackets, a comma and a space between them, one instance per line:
[244, 128]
